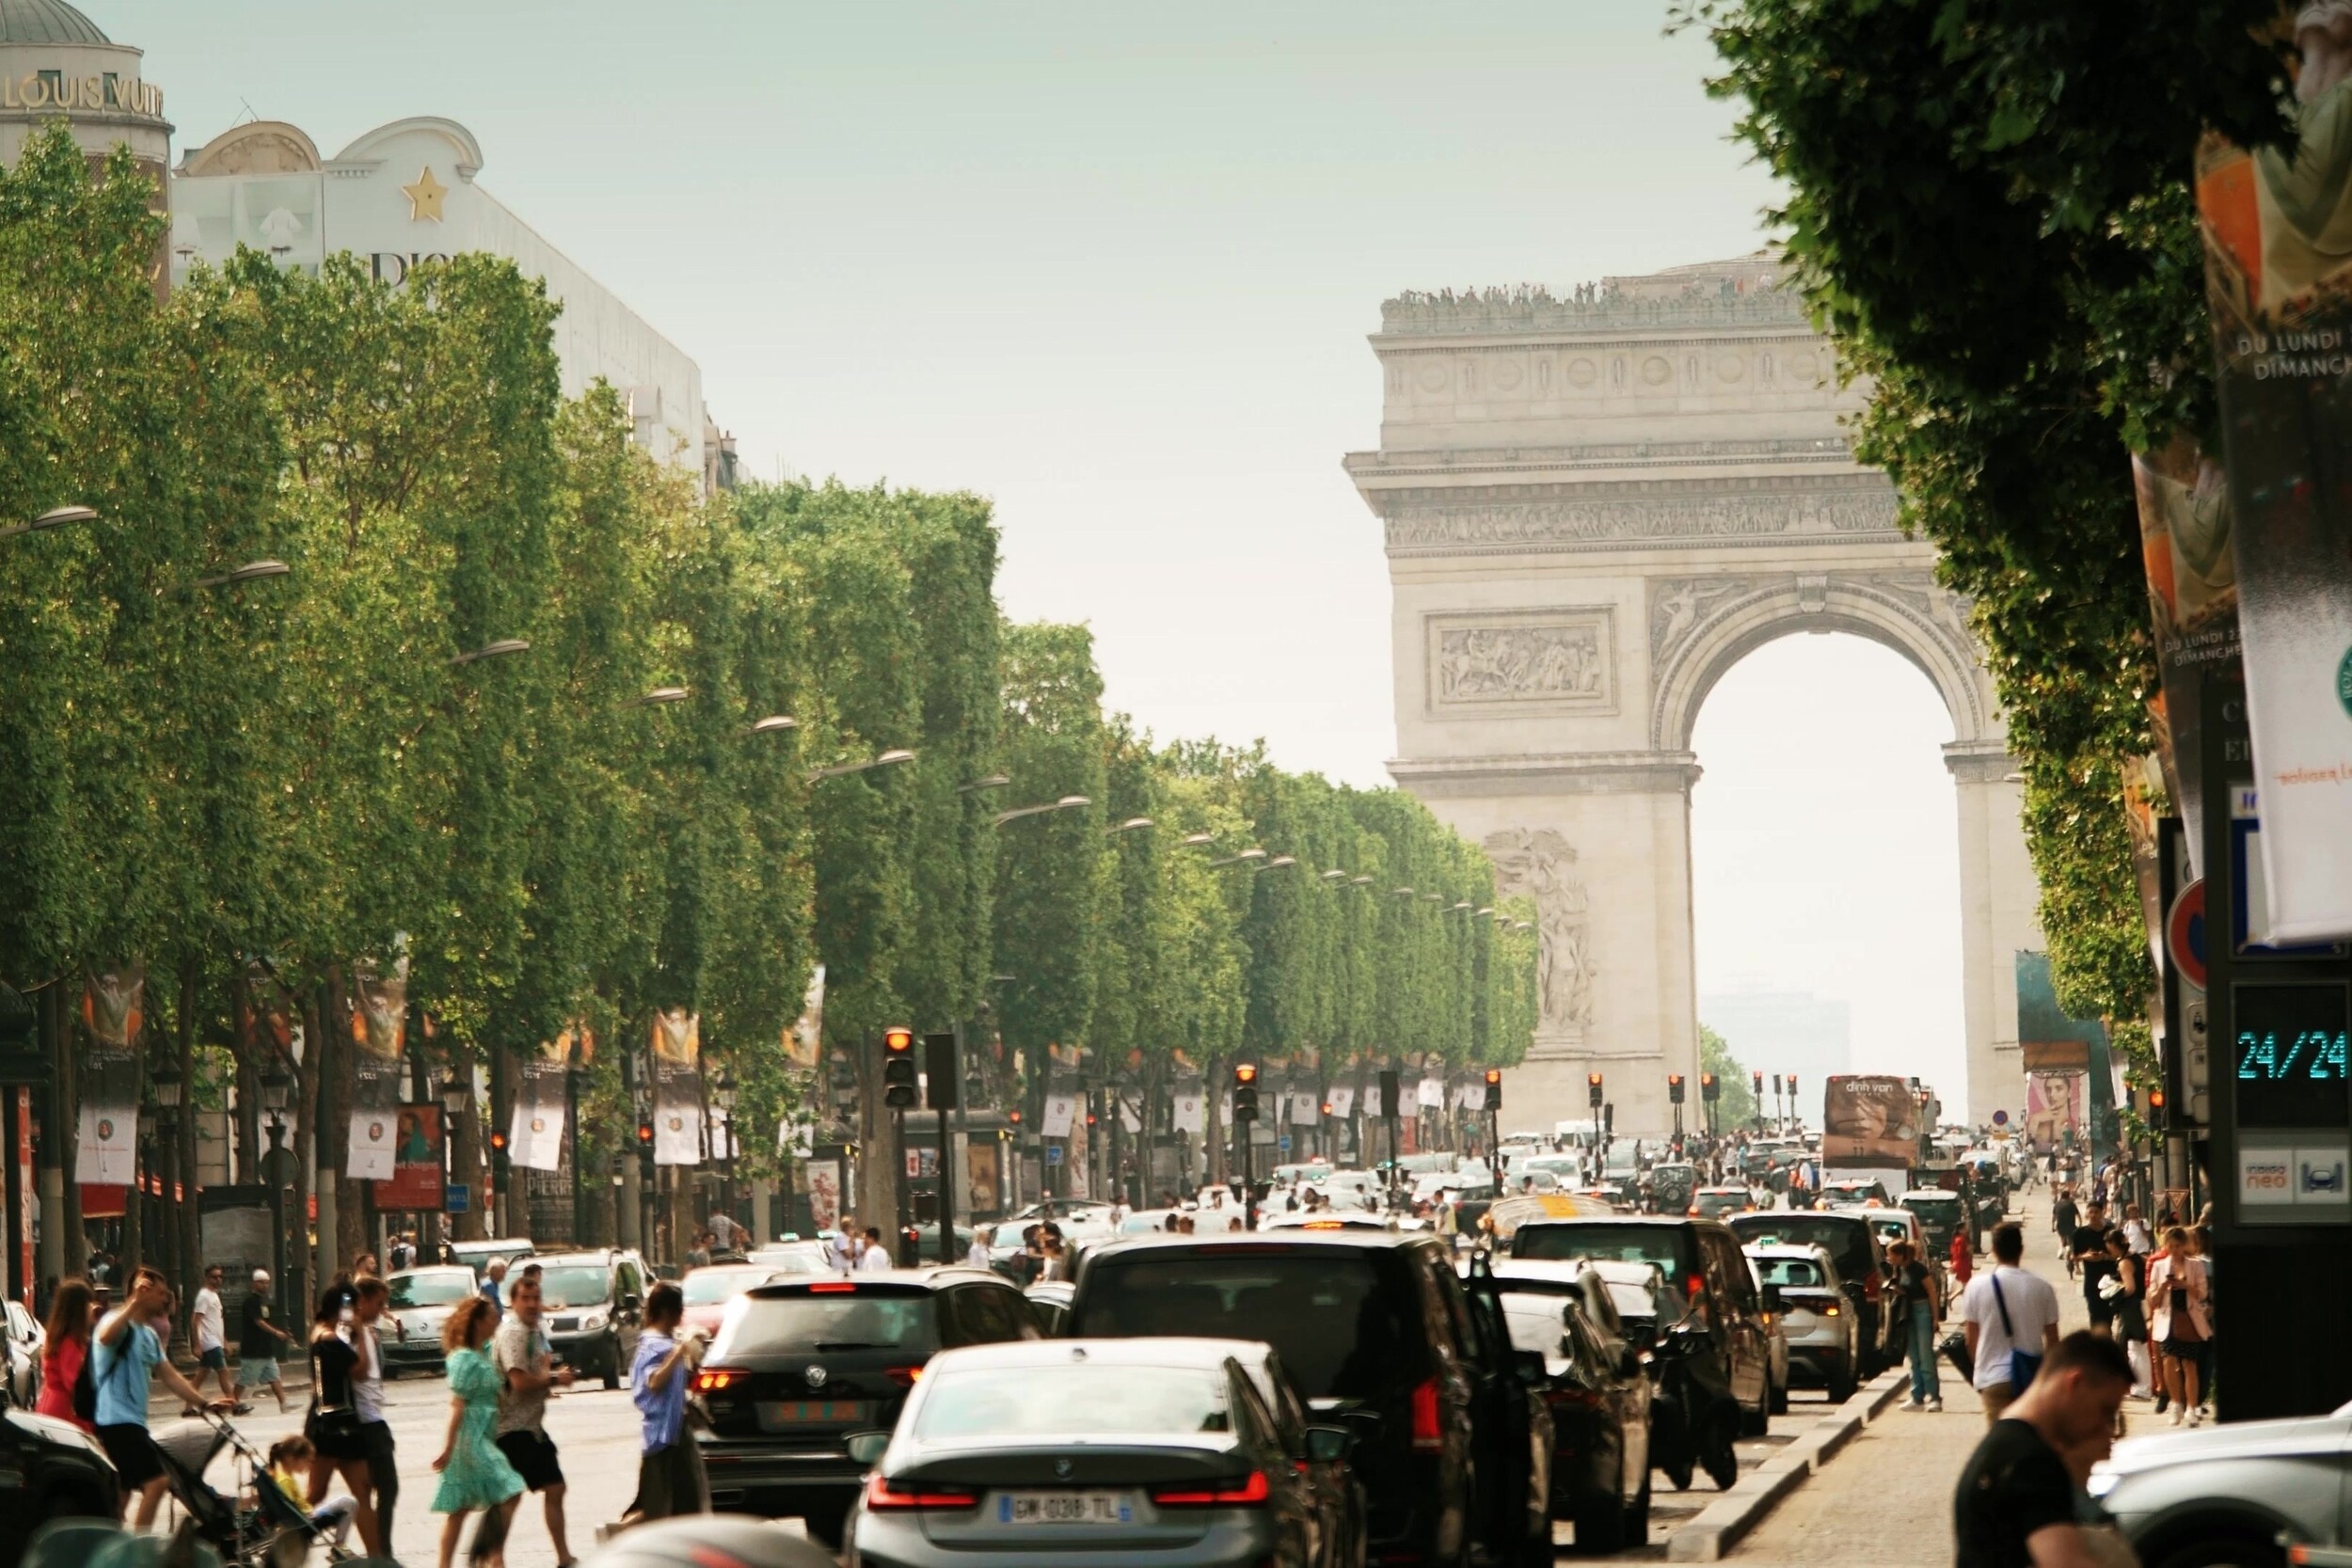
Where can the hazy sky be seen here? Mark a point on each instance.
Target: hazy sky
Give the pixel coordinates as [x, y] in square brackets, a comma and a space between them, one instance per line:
[1113, 265]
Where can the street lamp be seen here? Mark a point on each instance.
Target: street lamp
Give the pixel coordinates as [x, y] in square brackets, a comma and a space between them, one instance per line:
[1334, 875]
[499, 649]
[841, 769]
[455, 1092]
[1245, 855]
[169, 1085]
[1365, 880]
[775, 723]
[1279, 861]
[1198, 841]
[662, 696]
[52, 519]
[1401, 893]
[1132, 824]
[1068, 803]
[251, 571]
[994, 780]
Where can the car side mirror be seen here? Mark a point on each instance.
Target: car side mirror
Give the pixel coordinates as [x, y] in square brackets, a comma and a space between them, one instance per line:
[1329, 1445]
[867, 1447]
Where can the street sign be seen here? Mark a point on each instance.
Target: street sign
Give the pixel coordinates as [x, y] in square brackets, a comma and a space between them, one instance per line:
[2184, 933]
[1053, 1154]
[457, 1197]
[1283, 1143]
[2000, 1118]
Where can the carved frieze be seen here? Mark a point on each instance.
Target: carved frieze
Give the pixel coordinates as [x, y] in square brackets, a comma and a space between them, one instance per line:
[1557, 661]
[1678, 605]
[1566, 523]
[1540, 865]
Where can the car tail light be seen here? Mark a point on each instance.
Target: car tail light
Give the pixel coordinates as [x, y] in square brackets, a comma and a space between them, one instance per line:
[1250, 1491]
[903, 1377]
[1572, 1396]
[710, 1380]
[1693, 1211]
[1428, 1430]
[831, 1288]
[1692, 1284]
[1829, 1311]
[1872, 1285]
[882, 1498]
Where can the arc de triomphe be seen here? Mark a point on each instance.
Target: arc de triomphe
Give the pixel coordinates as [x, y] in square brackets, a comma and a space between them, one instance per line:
[1593, 507]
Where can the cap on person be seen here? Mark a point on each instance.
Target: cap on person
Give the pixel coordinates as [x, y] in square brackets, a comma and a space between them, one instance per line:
[260, 1276]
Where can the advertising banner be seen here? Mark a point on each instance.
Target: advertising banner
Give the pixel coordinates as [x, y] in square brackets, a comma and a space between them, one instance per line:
[536, 1140]
[982, 1171]
[1191, 1112]
[677, 1089]
[1432, 1094]
[1869, 1117]
[2183, 501]
[415, 1180]
[824, 1193]
[804, 1039]
[1344, 1099]
[2278, 285]
[1062, 1115]
[379, 1035]
[1306, 1110]
[2055, 1101]
[113, 1008]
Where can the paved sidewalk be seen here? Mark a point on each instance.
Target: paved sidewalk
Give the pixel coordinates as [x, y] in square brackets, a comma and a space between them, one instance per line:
[1886, 1500]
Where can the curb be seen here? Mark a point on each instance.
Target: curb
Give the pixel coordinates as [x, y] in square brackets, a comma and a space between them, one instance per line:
[1723, 1523]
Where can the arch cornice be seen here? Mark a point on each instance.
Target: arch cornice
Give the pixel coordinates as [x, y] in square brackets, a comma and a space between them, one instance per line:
[1700, 628]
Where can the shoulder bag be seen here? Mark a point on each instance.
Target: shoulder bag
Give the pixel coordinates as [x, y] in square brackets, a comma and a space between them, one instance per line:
[2022, 1365]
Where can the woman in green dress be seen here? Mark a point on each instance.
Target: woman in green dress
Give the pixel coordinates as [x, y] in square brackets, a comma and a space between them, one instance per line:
[474, 1474]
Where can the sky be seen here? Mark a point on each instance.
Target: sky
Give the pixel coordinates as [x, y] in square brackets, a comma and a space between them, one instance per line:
[1113, 265]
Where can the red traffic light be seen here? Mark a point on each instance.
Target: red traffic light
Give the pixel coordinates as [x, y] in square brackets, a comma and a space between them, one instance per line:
[2155, 1100]
[498, 1140]
[1245, 1073]
[1494, 1075]
[898, 1041]
[644, 1132]
[1013, 1115]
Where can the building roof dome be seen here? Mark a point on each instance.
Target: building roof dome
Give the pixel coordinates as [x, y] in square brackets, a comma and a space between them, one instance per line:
[46, 21]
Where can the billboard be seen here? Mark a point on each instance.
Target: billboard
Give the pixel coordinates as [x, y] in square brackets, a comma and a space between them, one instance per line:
[1870, 1116]
[416, 1179]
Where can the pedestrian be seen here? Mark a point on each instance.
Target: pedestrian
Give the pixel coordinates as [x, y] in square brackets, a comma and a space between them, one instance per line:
[844, 1244]
[291, 1460]
[670, 1480]
[2126, 1291]
[2064, 1219]
[722, 1231]
[258, 1342]
[211, 1331]
[126, 1350]
[1914, 1300]
[874, 1257]
[526, 1366]
[2014, 1506]
[338, 1447]
[982, 1238]
[2010, 1319]
[698, 1255]
[474, 1473]
[2180, 1319]
[369, 1296]
[67, 1389]
[494, 1284]
[1964, 1261]
[365, 1264]
[2135, 1231]
[2091, 1259]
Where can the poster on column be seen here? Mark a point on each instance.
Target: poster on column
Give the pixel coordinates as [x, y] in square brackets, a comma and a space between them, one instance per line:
[416, 1181]
[678, 1087]
[802, 1038]
[1344, 1101]
[981, 1169]
[1191, 1111]
[1130, 1115]
[379, 1035]
[1432, 1094]
[536, 1141]
[113, 1007]
[2279, 286]
[1062, 1115]
[1306, 1110]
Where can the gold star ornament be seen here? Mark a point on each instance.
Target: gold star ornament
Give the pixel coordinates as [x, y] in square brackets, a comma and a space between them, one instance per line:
[424, 196]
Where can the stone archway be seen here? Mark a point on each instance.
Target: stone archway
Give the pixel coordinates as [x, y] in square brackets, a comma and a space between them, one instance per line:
[1593, 507]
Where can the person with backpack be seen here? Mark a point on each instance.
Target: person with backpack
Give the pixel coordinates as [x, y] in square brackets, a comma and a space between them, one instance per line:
[125, 1352]
[65, 1389]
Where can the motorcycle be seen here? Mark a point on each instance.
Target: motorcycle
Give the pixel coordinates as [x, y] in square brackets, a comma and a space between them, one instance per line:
[1693, 1417]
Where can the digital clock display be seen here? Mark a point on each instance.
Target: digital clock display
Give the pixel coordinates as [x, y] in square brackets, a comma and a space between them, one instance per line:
[2290, 1054]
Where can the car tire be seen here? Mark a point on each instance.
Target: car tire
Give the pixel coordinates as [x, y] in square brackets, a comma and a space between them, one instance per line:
[1717, 1456]
[1780, 1400]
[2225, 1549]
[1759, 1422]
[1841, 1382]
[1600, 1523]
[1637, 1519]
[611, 1364]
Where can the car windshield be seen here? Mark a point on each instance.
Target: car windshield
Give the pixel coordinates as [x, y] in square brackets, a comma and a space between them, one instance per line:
[808, 1261]
[1338, 1332]
[1799, 1271]
[1535, 1321]
[1076, 1400]
[855, 1319]
[1836, 1237]
[708, 1286]
[1934, 1208]
[574, 1285]
[437, 1289]
[1660, 1244]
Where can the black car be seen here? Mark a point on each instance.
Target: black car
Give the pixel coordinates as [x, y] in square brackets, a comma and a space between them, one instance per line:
[1671, 1186]
[800, 1366]
[1600, 1398]
[1846, 1236]
[1453, 1439]
[50, 1469]
[1702, 1261]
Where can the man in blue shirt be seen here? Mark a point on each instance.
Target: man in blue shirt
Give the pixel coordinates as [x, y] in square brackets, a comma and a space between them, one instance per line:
[124, 1352]
[670, 1479]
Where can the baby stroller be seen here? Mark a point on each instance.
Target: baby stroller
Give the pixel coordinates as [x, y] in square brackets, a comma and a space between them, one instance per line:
[274, 1531]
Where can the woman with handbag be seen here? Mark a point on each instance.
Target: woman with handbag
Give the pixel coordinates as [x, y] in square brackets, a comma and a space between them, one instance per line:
[2180, 1295]
[338, 1448]
[2126, 1290]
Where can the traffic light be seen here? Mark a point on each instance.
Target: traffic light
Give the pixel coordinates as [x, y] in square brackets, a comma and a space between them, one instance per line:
[500, 1163]
[1391, 1095]
[940, 1077]
[1592, 1081]
[1494, 1088]
[899, 1069]
[2155, 1108]
[1775, 1085]
[1709, 1089]
[645, 1146]
[1757, 1077]
[1792, 1086]
[1245, 1093]
[1674, 1088]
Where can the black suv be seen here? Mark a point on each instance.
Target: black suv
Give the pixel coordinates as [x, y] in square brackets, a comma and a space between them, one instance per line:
[799, 1366]
[1846, 1236]
[1453, 1439]
[1702, 1260]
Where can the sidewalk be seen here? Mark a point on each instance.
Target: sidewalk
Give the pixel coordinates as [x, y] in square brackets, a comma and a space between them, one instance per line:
[1886, 1501]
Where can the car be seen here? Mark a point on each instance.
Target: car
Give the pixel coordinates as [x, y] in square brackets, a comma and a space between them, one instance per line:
[1144, 1221]
[1454, 1443]
[477, 1255]
[1776, 1371]
[1850, 1241]
[1015, 1453]
[711, 1290]
[595, 1305]
[1941, 1214]
[2231, 1494]
[420, 1304]
[1702, 1260]
[1326, 1219]
[55, 1470]
[27, 1340]
[1049, 1303]
[800, 1365]
[1713, 1203]
[918, 1244]
[1816, 1323]
[1901, 1224]
[1851, 1192]
[794, 1256]
[1671, 1185]
[1598, 1395]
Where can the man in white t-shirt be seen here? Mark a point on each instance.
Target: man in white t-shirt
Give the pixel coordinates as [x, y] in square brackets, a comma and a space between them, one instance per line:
[2004, 1310]
[211, 1336]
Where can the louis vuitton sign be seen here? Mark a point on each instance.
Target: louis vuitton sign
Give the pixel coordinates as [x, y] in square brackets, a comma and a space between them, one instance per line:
[101, 93]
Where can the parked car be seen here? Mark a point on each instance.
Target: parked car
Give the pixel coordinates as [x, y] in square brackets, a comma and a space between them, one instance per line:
[1776, 1369]
[1713, 1203]
[800, 1366]
[1049, 1303]
[477, 1255]
[1454, 1443]
[1598, 1395]
[420, 1304]
[1852, 1247]
[55, 1470]
[2232, 1494]
[1010, 1454]
[1941, 1213]
[595, 1305]
[918, 1244]
[26, 1339]
[1816, 1323]
[1703, 1261]
[795, 1256]
[711, 1290]
[1901, 1224]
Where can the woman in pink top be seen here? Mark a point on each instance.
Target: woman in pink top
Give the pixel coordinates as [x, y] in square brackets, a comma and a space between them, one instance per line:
[2179, 1320]
[67, 1348]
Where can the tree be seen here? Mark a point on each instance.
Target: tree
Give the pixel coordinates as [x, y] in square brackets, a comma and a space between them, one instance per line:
[1736, 1108]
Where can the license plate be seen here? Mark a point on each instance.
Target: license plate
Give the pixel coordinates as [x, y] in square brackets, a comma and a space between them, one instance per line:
[803, 1412]
[1065, 1507]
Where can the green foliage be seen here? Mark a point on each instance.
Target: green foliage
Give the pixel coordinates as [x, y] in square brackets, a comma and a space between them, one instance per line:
[1736, 1109]
[1989, 212]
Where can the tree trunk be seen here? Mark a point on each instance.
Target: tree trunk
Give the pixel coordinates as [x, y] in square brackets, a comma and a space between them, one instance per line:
[313, 1152]
[347, 1230]
[877, 1170]
[466, 1155]
[67, 1256]
[246, 1123]
[185, 1207]
[1213, 1120]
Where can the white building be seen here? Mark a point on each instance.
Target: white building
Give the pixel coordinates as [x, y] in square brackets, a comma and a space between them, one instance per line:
[405, 193]
[1783, 1032]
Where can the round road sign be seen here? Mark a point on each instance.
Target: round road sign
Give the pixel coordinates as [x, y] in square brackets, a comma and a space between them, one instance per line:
[2000, 1118]
[2184, 933]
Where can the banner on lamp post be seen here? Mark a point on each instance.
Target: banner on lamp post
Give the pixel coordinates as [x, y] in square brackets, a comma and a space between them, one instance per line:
[1062, 1115]
[536, 1139]
[113, 1008]
[1191, 1111]
[678, 1087]
[1344, 1101]
[379, 1037]
[804, 1036]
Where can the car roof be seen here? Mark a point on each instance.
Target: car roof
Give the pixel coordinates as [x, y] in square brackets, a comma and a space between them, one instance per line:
[1784, 1250]
[1694, 1220]
[1725, 1191]
[1289, 1236]
[430, 1267]
[1142, 1351]
[938, 1278]
[578, 1256]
